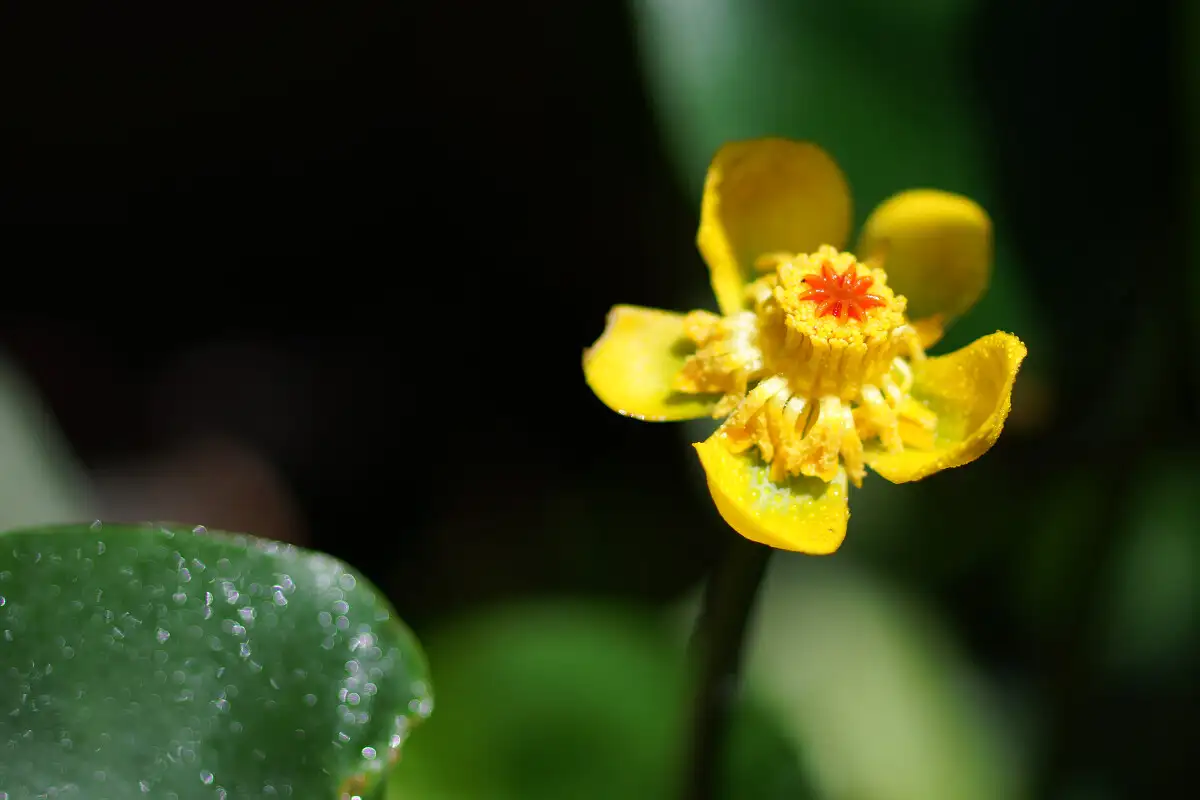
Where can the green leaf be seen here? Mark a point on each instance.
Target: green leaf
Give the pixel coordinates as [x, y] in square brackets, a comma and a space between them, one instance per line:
[1153, 606]
[41, 481]
[869, 681]
[578, 701]
[720, 70]
[165, 662]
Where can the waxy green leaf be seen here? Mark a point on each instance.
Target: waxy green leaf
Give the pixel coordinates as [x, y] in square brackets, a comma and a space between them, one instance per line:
[140, 661]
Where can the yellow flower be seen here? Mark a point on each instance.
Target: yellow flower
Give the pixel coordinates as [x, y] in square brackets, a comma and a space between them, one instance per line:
[817, 361]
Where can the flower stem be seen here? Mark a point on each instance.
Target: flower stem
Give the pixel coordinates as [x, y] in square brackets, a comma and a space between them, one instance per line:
[717, 647]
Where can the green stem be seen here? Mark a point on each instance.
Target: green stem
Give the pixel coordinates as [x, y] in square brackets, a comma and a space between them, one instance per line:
[717, 646]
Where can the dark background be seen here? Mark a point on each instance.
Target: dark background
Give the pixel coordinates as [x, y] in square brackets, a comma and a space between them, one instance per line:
[326, 274]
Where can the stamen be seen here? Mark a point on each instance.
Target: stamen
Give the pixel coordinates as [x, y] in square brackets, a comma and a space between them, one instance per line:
[906, 374]
[890, 390]
[740, 430]
[852, 448]
[727, 356]
[817, 453]
[796, 414]
[912, 343]
[880, 419]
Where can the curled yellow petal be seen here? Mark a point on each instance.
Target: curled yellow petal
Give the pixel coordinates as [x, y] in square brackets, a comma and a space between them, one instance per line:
[632, 365]
[970, 391]
[802, 514]
[764, 197]
[936, 248]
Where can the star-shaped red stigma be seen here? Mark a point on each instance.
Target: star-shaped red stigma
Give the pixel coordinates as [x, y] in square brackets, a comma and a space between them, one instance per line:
[841, 294]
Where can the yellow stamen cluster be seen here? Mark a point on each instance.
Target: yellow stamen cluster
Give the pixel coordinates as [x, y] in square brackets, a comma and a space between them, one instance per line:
[806, 386]
[727, 358]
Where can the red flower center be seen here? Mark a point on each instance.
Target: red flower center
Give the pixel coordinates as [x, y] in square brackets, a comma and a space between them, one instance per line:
[843, 296]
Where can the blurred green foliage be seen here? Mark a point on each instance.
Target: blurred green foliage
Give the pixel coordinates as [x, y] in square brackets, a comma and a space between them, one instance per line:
[42, 482]
[868, 680]
[1152, 609]
[565, 699]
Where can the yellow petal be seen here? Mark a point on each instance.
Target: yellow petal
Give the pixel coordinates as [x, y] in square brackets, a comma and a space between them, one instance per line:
[930, 329]
[767, 196]
[936, 248]
[632, 364]
[803, 514]
[970, 390]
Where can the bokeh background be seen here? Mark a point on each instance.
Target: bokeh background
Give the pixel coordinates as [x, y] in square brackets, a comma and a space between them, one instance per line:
[325, 274]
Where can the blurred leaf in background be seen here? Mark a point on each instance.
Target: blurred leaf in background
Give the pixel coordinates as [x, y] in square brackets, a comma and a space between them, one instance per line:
[40, 480]
[570, 700]
[1191, 112]
[871, 687]
[1153, 603]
